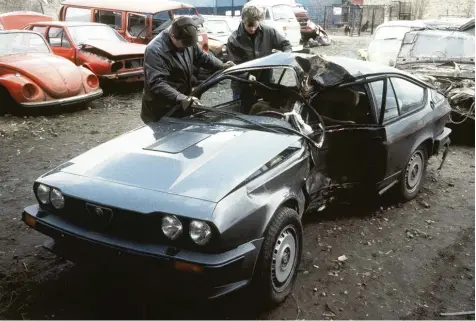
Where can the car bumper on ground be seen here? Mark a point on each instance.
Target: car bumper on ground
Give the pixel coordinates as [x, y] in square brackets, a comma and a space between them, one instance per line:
[206, 275]
[80, 99]
[129, 76]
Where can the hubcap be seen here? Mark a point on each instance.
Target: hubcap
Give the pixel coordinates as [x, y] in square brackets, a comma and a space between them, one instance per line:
[414, 172]
[284, 258]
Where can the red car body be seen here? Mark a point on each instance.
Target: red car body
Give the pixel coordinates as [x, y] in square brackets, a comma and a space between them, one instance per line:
[32, 76]
[95, 46]
[19, 19]
[145, 16]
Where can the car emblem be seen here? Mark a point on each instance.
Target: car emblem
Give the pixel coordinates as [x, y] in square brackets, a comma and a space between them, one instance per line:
[100, 214]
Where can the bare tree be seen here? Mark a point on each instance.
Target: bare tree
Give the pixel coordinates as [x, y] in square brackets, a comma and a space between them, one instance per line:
[419, 7]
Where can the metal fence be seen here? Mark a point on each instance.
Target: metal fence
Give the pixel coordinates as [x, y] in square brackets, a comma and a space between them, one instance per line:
[353, 20]
[400, 10]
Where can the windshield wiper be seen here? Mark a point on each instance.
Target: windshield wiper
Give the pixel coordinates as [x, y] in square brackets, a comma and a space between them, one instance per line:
[266, 127]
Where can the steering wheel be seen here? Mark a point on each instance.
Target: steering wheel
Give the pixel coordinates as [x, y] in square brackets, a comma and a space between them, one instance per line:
[271, 113]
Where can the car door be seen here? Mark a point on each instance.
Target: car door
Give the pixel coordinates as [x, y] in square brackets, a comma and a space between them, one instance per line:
[60, 43]
[405, 120]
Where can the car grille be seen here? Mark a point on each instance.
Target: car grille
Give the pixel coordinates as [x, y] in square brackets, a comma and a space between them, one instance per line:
[133, 63]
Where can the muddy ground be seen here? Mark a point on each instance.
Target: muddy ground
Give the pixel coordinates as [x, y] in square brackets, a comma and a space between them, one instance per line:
[404, 261]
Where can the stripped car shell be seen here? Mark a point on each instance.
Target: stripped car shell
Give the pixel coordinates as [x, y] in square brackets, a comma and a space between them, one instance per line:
[95, 46]
[32, 76]
[117, 194]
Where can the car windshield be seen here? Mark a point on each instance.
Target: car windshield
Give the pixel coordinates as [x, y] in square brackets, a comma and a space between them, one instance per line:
[387, 33]
[217, 27]
[443, 45]
[22, 42]
[283, 12]
[83, 34]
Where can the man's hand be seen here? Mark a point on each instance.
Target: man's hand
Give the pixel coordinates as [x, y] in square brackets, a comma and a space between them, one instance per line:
[228, 64]
[190, 101]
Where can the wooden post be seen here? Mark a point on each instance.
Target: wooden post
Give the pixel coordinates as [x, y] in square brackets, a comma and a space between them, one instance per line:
[325, 17]
[373, 21]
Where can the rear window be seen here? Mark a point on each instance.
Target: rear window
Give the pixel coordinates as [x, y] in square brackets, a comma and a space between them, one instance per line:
[77, 14]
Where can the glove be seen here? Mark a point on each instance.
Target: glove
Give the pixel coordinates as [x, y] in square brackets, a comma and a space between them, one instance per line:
[228, 64]
[251, 78]
[190, 101]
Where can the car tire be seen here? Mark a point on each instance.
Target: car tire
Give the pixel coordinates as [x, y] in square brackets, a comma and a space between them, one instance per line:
[6, 101]
[413, 174]
[280, 257]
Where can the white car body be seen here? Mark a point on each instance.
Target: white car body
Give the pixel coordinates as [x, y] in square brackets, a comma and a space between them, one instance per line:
[220, 27]
[280, 16]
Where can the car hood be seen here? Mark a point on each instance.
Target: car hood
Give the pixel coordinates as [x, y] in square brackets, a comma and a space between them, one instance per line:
[111, 49]
[57, 76]
[455, 68]
[191, 159]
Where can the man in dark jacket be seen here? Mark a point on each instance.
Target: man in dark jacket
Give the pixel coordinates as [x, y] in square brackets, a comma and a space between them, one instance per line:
[250, 41]
[168, 70]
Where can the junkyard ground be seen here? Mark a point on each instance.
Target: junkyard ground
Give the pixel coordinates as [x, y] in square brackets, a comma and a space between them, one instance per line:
[412, 260]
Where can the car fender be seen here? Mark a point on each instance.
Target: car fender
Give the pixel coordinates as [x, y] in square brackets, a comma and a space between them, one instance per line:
[14, 83]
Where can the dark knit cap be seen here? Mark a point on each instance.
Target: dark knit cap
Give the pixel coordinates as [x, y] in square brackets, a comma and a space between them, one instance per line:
[185, 29]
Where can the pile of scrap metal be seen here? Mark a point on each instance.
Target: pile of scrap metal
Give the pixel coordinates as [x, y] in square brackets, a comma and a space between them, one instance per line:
[445, 59]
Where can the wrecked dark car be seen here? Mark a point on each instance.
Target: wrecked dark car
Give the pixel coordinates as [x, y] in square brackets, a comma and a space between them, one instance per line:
[213, 198]
[444, 59]
[95, 46]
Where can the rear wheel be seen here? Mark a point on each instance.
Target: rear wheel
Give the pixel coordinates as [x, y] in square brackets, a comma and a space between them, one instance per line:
[280, 257]
[413, 174]
[6, 101]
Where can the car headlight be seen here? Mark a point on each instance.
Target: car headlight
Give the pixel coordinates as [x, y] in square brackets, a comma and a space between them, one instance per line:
[43, 193]
[57, 198]
[200, 232]
[171, 226]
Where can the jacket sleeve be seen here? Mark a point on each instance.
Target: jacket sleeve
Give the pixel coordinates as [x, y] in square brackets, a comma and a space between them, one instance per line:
[158, 75]
[281, 43]
[235, 53]
[204, 60]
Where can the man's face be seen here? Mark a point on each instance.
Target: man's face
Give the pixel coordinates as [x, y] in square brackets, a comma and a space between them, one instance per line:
[251, 26]
[180, 44]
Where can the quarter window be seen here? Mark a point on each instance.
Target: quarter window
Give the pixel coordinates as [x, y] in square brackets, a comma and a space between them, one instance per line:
[391, 107]
[57, 38]
[111, 18]
[411, 96]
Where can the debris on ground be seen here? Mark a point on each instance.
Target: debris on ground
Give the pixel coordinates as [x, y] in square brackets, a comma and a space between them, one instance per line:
[342, 258]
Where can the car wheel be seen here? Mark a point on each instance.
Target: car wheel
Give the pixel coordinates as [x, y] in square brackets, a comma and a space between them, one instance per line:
[7, 102]
[413, 174]
[280, 256]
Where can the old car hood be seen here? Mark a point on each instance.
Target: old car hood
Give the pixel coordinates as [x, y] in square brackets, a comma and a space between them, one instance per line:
[57, 76]
[191, 159]
[456, 68]
[111, 49]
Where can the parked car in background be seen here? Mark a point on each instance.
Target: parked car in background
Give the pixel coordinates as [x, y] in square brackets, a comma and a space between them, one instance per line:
[32, 76]
[387, 38]
[138, 21]
[281, 17]
[95, 46]
[310, 30]
[19, 19]
[177, 199]
[219, 28]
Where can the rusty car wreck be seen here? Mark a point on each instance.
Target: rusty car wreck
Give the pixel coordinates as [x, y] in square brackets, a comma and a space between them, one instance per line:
[214, 197]
[445, 59]
[31, 76]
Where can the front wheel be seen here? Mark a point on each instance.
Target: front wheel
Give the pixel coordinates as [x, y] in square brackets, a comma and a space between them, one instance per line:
[413, 174]
[280, 256]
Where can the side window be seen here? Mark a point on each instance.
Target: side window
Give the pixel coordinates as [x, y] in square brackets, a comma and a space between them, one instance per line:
[410, 95]
[40, 30]
[111, 18]
[284, 77]
[136, 25]
[77, 14]
[267, 15]
[57, 38]
[391, 107]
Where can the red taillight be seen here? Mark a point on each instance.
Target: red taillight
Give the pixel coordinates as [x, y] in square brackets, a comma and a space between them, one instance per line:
[29, 91]
[92, 81]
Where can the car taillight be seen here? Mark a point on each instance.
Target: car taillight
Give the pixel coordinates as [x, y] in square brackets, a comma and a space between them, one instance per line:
[92, 81]
[29, 91]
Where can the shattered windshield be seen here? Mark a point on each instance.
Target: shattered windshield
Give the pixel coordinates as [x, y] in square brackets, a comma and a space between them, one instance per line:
[83, 34]
[443, 46]
[22, 42]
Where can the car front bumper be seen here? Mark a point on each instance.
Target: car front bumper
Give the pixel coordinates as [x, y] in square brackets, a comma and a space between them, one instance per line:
[129, 76]
[66, 101]
[207, 275]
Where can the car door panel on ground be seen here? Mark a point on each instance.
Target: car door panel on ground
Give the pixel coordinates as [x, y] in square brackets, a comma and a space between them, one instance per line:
[60, 43]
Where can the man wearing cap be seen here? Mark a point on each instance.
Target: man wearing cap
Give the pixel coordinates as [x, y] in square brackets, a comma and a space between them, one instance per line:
[250, 41]
[168, 70]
